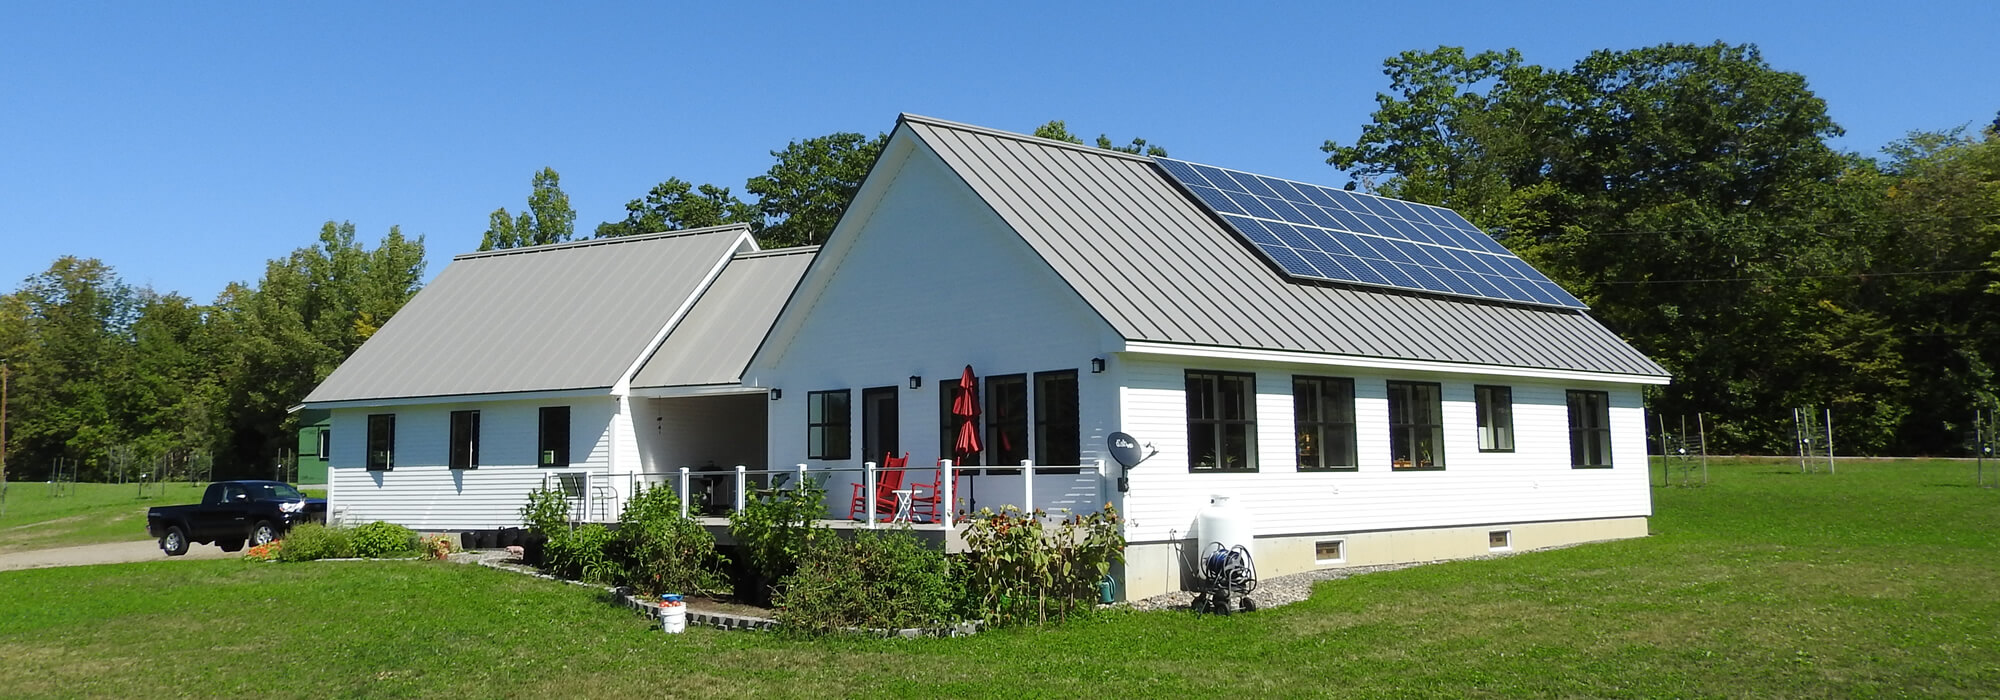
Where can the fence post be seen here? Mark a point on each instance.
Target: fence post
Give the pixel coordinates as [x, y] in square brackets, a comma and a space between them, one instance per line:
[684, 492]
[1103, 484]
[742, 479]
[950, 506]
[586, 498]
[868, 469]
[802, 477]
[1028, 487]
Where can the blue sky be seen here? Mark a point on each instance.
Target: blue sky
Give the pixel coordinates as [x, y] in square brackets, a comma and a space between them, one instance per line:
[185, 144]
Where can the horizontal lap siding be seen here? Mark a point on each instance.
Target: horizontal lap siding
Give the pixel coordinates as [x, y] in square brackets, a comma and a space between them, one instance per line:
[424, 493]
[1534, 483]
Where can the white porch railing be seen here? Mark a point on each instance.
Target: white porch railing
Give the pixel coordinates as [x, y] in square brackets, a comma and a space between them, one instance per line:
[1061, 490]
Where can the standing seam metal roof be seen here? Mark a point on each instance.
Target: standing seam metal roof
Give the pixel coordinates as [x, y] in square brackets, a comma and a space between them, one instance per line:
[715, 340]
[1159, 268]
[543, 318]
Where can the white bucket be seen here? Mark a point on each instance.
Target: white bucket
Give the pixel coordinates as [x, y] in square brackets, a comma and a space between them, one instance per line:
[673, 617]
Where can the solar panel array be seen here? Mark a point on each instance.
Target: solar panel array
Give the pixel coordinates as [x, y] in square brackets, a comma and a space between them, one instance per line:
[1320, 233]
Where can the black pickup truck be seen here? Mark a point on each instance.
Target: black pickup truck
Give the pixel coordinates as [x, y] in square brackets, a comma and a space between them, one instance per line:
[233, 513]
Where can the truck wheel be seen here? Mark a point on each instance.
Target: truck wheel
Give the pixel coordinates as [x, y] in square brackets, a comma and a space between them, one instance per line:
[262, 534]
[175, 542]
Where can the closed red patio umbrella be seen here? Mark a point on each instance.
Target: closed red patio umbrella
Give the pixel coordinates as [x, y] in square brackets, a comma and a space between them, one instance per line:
[966, 406]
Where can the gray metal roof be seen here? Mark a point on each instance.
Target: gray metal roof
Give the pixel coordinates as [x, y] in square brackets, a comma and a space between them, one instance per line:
[1159, 268]
[716, 339]
[544, 318]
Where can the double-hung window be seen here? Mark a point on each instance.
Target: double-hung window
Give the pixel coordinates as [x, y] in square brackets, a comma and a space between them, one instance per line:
[1222, 421]
[381, 442]
[464, 439]
[1058, 433]
[1416, 426]
[1006, 422]
[552, 441]
[1495, 408]
[828, 424]
[1589, 429]
[1323, 423]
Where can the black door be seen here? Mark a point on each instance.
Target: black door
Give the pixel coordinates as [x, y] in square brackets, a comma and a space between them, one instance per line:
[878, 423]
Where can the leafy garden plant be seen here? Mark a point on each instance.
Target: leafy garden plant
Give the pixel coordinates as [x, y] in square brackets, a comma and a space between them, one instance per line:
[665, 552]
[379, 539]
[310, 541]
[1022, 572]
[774, 529]
[877, 580]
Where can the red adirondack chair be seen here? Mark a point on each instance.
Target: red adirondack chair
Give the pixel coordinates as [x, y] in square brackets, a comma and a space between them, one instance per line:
[888, 478]
[928, 502]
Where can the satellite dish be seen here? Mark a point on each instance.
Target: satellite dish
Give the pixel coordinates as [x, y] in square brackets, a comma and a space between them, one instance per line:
[1126, 450]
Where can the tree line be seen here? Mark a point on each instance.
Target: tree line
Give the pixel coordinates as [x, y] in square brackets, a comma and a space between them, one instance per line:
[1691, 196]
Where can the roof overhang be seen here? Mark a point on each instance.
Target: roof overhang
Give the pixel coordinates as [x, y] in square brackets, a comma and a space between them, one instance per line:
[1383, 363]
[461, 398]
[661, 392]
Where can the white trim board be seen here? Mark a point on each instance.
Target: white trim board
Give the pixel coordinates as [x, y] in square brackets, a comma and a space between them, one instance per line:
[1310, 358]
[462, 398]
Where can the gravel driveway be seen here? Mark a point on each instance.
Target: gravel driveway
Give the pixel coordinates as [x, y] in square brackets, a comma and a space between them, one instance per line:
[113, 553]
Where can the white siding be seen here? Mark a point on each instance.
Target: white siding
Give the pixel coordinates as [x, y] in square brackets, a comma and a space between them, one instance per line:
[1534, 483]
[422, 492]
[932, 281]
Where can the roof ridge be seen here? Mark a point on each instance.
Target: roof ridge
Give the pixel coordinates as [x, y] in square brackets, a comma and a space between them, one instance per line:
[588, 242]
[1025, 138]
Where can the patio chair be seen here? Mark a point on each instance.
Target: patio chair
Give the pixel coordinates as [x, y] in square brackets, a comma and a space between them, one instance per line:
[929, 499]
[888, 478]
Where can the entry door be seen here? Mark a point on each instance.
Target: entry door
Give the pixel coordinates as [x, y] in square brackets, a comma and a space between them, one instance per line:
[878, 423]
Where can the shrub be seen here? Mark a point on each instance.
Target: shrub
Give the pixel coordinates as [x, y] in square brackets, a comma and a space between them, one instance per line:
[547, 511]
[579, 554]
[379, 539]
[774, 528]
[310, 541]
[662, 552]
[1020, 573]
[880, 579]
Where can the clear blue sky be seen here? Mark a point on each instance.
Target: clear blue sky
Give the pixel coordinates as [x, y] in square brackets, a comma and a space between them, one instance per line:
[186, 143]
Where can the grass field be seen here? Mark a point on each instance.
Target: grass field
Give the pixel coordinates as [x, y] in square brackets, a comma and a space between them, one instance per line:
[93, 513]
[1883, 580]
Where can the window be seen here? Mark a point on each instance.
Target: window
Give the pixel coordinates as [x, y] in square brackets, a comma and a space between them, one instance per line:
[1495, 406]
[552, 447]
[949, 423]
[827, 421]
[1329, 551]
[1006, 421]
[464, 439]
[1500, 539]
[1222, 421]
[381, 442]
[1058, 432]
[1323, 422]
[326, 443]
[1589, 429]
[1416, 429]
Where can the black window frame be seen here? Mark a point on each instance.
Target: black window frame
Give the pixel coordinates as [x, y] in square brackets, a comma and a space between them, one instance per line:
[462, 447]
[381, 455]
[1582, 435]
[552, 429]
[826, 433]
[1311, 427]
[1006, 413]
[1486, 398]
[1408, 429]
[1057, 431]
[1216, 430]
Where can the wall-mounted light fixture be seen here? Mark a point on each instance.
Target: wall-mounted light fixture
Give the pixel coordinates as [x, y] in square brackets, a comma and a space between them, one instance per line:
[1097, 365]
[916, 382]
[777, 393]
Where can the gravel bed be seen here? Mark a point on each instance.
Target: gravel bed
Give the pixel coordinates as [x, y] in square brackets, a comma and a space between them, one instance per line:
[1292, 588]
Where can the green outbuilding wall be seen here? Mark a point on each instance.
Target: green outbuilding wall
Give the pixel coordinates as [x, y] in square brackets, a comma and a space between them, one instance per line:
[315, 428]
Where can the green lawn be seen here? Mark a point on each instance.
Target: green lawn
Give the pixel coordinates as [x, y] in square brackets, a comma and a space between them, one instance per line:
[1883, 580]
[93, 513]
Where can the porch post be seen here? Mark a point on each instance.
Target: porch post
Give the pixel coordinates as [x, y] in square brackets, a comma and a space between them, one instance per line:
[1028, 487]
[802, 476]
[742, 479]
[869, 493]
[1103, 484]
[950, 506]
[684, 492]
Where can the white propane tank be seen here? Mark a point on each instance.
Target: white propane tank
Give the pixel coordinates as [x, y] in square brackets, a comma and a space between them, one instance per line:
[1221, 523]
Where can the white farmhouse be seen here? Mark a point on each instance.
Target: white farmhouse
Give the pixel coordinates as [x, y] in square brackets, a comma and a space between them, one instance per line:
[1096, 292]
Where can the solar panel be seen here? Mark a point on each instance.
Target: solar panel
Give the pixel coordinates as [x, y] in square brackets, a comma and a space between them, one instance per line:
[1321, 233]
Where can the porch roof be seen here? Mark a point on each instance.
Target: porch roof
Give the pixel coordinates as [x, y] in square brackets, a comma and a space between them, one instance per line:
[715, 340]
